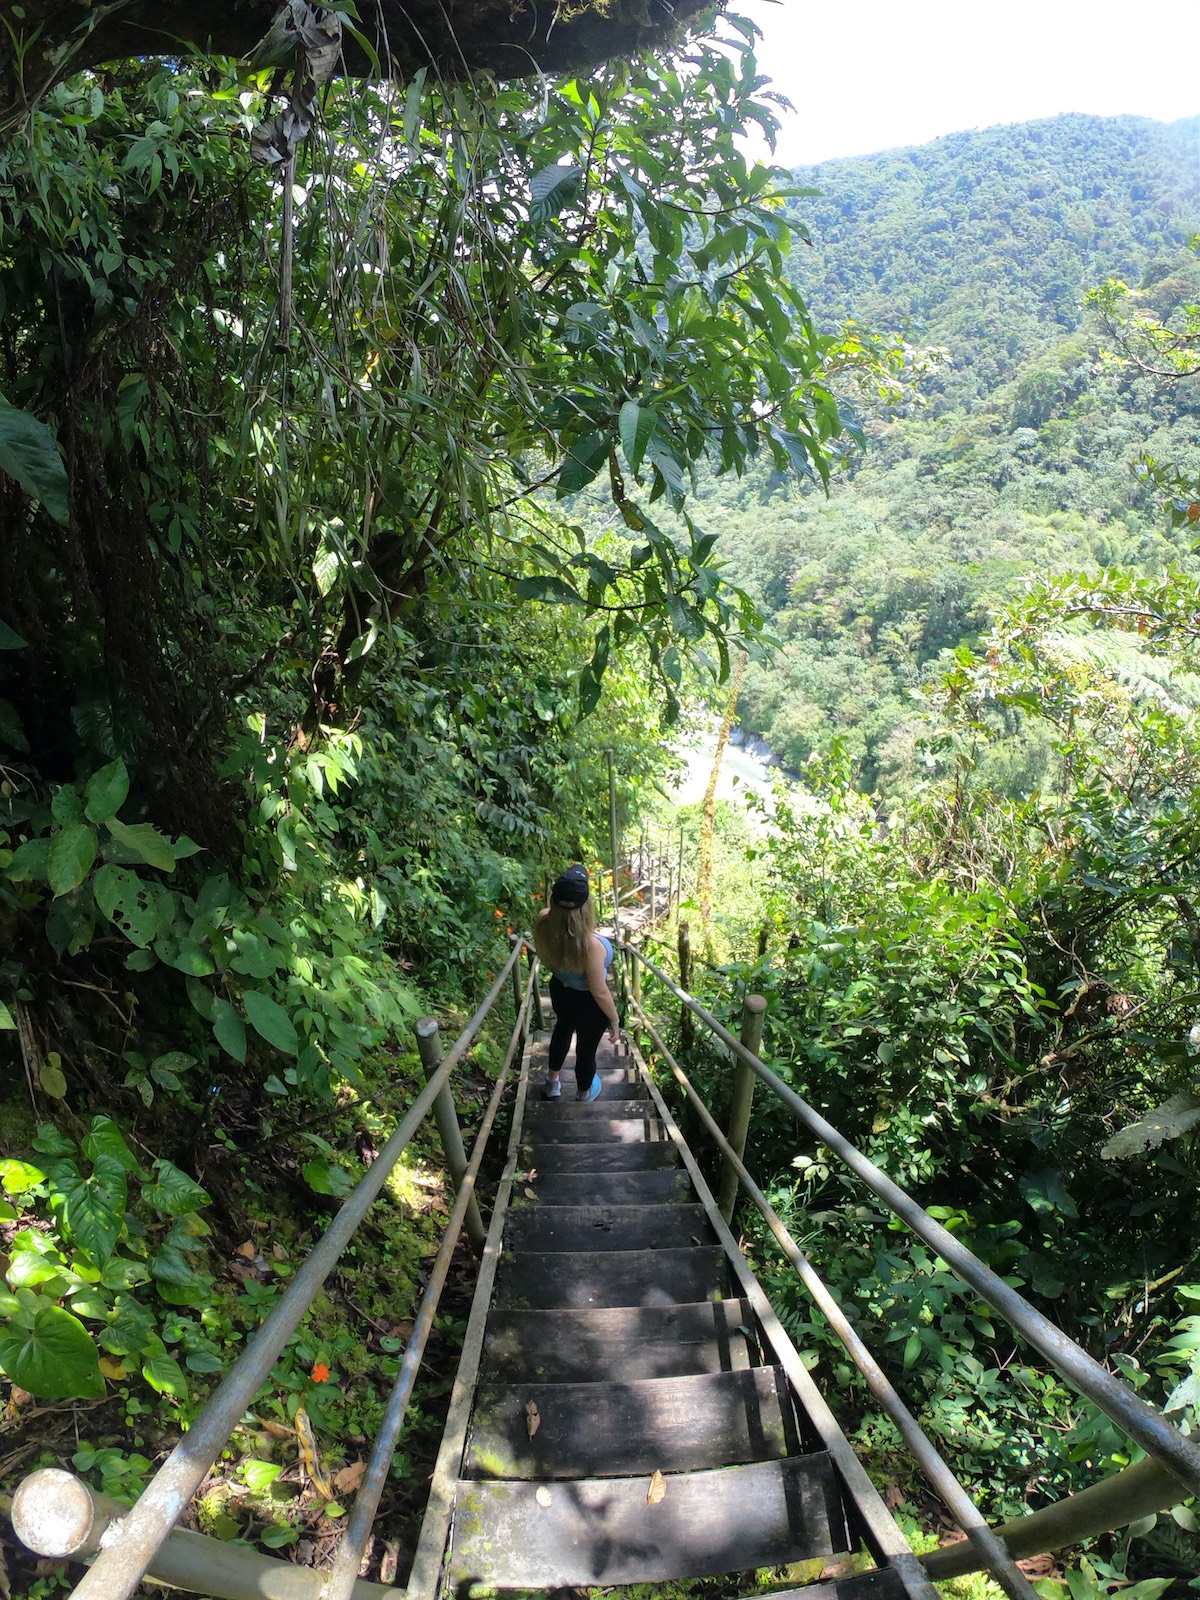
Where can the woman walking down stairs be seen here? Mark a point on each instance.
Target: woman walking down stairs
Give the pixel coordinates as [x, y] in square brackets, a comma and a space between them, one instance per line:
[628, 1408]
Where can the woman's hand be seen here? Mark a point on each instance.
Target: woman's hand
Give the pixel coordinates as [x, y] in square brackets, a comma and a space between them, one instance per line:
[614, 1033]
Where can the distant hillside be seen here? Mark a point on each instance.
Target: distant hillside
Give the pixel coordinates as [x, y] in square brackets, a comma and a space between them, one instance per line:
[983, 243]
[986, 241]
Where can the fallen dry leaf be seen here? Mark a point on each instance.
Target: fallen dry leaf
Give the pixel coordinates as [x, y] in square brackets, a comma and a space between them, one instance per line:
[893, 1497]
[249, 1250]
[657, 1489]
[533, 1418]
[22, 1397]
[111, 1368]
[834, 1571]
[278, 1251]
[389, 1562]
[531, 1194]
[544, 1497]
[278, 1430]
[349, 1478]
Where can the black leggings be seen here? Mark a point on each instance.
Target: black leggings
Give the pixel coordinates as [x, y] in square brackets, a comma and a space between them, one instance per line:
[576, 1015]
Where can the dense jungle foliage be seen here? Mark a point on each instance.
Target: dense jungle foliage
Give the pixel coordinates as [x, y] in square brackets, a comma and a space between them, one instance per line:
[312, 647]
[983, 247]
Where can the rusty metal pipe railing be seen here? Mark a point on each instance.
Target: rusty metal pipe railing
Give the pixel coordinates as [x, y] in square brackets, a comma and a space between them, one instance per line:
[1133, 1415]
[339, 1584]
[120, 1567]
[989, 1552]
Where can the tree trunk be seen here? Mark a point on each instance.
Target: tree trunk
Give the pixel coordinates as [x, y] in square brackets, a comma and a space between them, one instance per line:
[705, 873]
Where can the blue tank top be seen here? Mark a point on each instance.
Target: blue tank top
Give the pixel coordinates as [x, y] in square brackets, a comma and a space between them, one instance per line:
[578, 980]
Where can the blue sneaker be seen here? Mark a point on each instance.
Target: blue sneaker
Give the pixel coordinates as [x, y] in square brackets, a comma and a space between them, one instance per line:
[594, 1092]
[552, 1089]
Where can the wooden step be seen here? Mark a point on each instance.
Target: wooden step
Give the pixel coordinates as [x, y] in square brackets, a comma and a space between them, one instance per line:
[606, 1227]
[653, 1156]
[613, 1093]
[623, 1429]
[536, 1280]
[603, 1531]
[599, 1128]
[622, 1343]
[671, 1186]
[885, 1583]
[543, 1111]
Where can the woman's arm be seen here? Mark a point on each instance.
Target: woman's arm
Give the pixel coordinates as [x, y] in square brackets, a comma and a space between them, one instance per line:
[600, 992]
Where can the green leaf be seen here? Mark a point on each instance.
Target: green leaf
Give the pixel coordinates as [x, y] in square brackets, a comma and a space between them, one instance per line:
[30, 454]
[173, 1192]
[51, 1076]
[260, 1474]
[11, 732]
[271, 1021]
[185, 955]
[106, 792]
[279, 1534]
[51, 1141]
[229, 1030]
[121, 1273]
[7, 1020]
[72, 851]
[10, 640]
[17, 1177]
[55, 1359]
[166, 1375]
[106, 1139]
[545, 586]
[30, 860]
[92, 1209]
[637, 424]
[128, 903]
[326, 1177]
[551, 190]
[130, 1330]
[584, 459]
[144, 842]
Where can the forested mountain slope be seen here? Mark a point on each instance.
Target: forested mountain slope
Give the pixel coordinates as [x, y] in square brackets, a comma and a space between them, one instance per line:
[982, 244]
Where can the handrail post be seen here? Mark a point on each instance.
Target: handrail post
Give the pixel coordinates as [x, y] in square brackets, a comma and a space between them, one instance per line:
[539, 1019]
[686, 1033]
[753, 1017]
[517, 987]
[429, 1046]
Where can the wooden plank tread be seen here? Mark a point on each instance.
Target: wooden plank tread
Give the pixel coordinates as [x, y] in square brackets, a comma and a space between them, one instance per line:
[603, 1531]
[622, 1429]
[621, 1343]
[596, 1129]
[606, 1227]
[668, 1186]
[652, 1156]
[550, 1280]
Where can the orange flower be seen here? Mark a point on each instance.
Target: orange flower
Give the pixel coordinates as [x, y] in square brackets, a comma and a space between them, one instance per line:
[320, 1372]
[499, 914]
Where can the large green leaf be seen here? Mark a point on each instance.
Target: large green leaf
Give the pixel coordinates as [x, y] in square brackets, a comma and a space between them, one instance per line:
[229, 1030]
[92, 1209]
[637, 423]
[166, 1375]
[72, 851]
[144, 843]
[173, 1192]
[584, 459]
[106, 791]
[18, 1176]
[106, 1139]
[55, 1359]
[128, 902]
[270, 1020]
[29, 453]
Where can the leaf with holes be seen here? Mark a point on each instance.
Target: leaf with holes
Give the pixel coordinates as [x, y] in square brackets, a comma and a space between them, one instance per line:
[55, 1359]
[128, 903]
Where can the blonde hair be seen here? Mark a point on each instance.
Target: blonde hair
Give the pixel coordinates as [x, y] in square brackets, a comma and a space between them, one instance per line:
[563, 937]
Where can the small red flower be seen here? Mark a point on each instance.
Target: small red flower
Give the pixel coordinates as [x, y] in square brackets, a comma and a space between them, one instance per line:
[320, 1372]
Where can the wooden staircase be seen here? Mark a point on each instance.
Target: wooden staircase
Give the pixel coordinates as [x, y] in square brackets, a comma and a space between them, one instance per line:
[617, 1335]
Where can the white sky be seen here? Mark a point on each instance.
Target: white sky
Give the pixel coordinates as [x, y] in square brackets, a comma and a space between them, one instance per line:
[868, 75]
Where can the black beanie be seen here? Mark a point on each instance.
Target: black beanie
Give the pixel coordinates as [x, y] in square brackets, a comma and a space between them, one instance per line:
[570, 888]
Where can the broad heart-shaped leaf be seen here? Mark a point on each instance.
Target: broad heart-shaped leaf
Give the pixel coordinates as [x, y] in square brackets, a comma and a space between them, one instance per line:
[229, 1030]
[29, 454]
[144, 842]
[173, 1192]
[127, 902]
[637, 424]
[72, 851]
[18, 1176]
[55, 1359]
[92, 1209]
[271, 1021]
[106, 1139]
[106, 792]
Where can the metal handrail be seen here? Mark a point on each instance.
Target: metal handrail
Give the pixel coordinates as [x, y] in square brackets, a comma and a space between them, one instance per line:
[120, 1567]
[1141, 1421]
[992, 1555]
